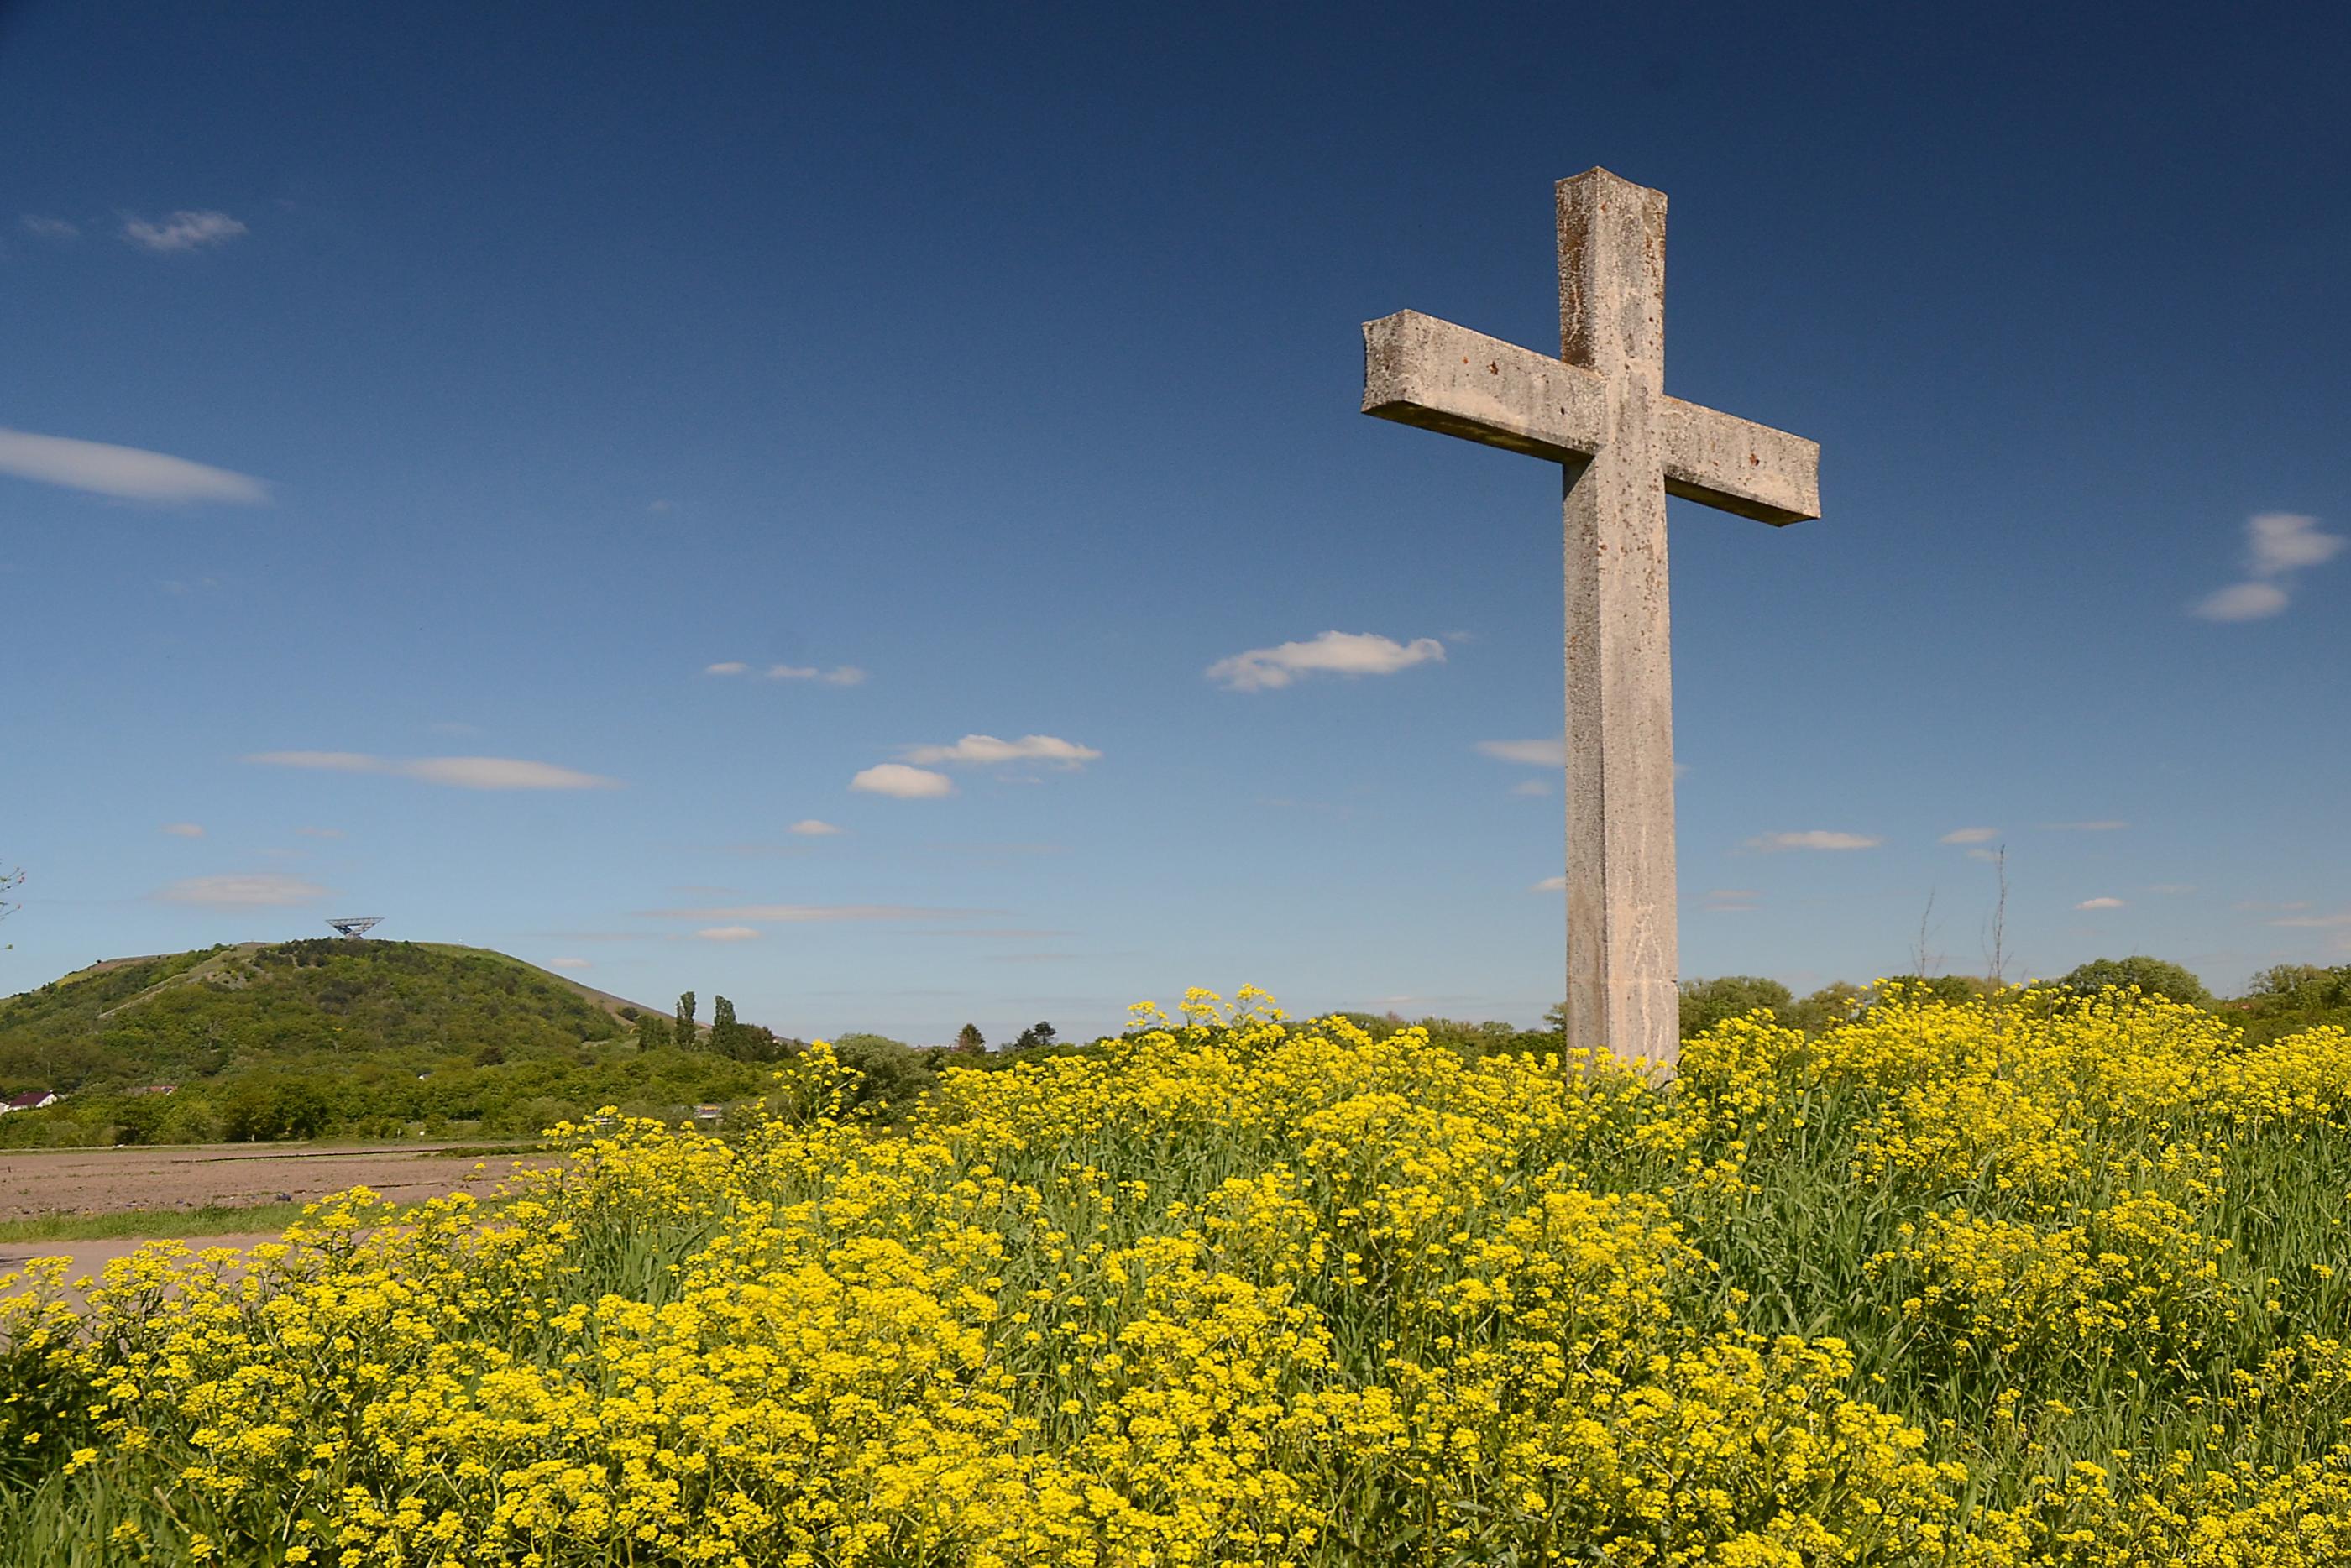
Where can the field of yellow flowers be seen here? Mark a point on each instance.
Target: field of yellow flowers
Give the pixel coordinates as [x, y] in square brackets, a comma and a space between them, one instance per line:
[2025, 1281]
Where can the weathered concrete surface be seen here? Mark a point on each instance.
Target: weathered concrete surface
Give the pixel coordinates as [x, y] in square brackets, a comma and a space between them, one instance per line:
[1600, 409]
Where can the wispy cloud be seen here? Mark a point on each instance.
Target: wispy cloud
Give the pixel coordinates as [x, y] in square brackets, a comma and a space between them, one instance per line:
[1813, 838]
[988, 749]
[456, 772]
[246, 891]
[809, 827]
[2100, 826]
[902, 783]
[1550, 885]
[725, 933]
[321, 832]
[2099, 904]
[1531, 786]
[839, 675]
[2277, 546]
[2315, 922]
[123, 472]
[1332, 653]
[1534, 754]
[1730, 900]
[55, 230]
[183, 230]
[2242, 601]
[184, 829]
[1969, 835]
[800, 914]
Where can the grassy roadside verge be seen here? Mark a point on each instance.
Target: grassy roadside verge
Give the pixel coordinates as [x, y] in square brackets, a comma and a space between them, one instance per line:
[213, 1220]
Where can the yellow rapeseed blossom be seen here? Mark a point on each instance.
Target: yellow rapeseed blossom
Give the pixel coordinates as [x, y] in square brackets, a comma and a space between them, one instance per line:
[2025, 1281]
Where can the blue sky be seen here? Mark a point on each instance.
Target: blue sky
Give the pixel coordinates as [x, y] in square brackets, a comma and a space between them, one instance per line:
[965, 373]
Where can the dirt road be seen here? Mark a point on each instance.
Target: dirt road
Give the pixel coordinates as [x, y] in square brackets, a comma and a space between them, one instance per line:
[33, 1183]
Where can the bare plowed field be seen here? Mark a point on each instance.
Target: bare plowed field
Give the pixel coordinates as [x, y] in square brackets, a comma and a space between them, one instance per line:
[108, 1180]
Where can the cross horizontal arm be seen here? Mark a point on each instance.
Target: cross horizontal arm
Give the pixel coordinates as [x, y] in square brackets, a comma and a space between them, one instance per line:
[1737, 465]
[1418, 370]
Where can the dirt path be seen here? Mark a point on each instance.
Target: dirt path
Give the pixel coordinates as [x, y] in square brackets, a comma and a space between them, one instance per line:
[33, 1183]
[90, 1257]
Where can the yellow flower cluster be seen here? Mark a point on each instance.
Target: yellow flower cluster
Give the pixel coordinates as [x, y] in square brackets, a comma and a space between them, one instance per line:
[2024, 1282]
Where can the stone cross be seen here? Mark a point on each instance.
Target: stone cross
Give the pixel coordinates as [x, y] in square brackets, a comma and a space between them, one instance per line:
[1601, 411]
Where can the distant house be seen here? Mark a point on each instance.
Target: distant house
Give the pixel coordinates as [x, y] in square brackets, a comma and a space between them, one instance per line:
[30, 1100]
[709, 1113]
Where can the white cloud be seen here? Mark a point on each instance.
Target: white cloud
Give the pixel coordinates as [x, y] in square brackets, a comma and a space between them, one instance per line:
[320, 832]
[570, 963]
[125, 471]
[839, 675]
[1814, 838]
[2315, 922]
[1535, 753]
[1989, 856]
[809, 827]
[2242, 601]
[983, 749]
[1550, 885]
[1334, 653]
[2099, 904]
[249, 891]
[902, 783]
[2102, 826]
[2280, 542]
[799, 914]
[458, 773]
[183, 829]
[183, 230]
[1531, 786]
[2277, 546]
[1969, 835]
[727, 933]
[42, 228]
[499, 773]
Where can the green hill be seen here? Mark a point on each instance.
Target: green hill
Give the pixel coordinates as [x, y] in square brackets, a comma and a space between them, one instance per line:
[370, 1038]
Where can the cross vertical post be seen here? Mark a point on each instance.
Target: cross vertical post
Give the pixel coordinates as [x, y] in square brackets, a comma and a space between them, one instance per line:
[1600, 411]
[1622, 947]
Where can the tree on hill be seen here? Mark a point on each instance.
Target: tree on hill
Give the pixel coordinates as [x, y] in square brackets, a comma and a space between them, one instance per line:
[723, 1027]
[971, 1041]
[2289, 997]
[685, 1033]
[1706, 1003]
[2153, 975]
[888, 1070]
[1036, 1036]
[653, 1032]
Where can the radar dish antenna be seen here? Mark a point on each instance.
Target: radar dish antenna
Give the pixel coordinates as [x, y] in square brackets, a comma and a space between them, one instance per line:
[356, 925]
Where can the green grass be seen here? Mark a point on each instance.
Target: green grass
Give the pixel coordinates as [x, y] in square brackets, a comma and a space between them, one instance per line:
[212, 1219]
